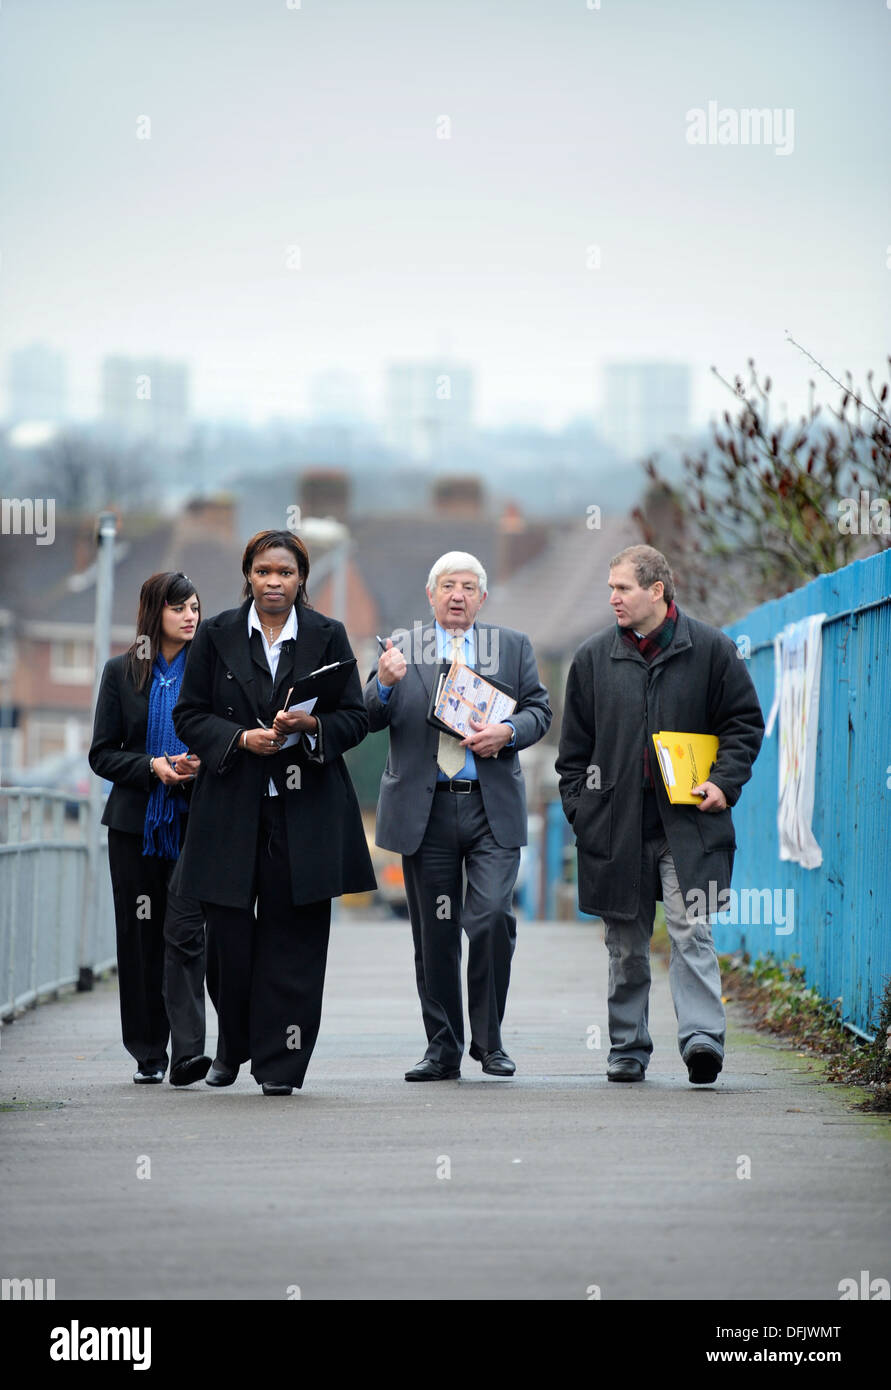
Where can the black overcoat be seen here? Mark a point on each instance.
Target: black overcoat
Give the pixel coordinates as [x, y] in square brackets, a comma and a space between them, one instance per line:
[227, 687]
[614, 703]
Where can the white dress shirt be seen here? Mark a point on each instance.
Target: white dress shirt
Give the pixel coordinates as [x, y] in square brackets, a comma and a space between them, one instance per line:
[273, 650]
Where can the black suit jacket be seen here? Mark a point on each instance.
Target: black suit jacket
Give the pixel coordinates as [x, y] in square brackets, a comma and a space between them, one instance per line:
[117, 752]
[227, 686]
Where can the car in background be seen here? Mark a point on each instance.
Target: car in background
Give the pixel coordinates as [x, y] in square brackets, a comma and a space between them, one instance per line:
[387, 866]
[390, 881]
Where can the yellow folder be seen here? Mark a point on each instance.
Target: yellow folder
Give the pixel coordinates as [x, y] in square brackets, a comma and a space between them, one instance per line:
[684, 760]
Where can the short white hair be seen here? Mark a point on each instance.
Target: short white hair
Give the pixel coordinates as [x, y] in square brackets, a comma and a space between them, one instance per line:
[452, 563]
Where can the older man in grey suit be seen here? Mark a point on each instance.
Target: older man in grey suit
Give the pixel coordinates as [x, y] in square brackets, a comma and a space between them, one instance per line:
[454, 808]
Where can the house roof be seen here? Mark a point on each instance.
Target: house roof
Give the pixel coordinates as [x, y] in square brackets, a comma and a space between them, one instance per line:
[394, 556]
[561, 598]
[140, 550]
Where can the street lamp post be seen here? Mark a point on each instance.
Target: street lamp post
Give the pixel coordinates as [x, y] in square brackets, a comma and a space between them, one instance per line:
[105, 538]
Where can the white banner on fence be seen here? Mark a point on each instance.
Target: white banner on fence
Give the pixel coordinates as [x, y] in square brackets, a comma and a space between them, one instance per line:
[798, 653]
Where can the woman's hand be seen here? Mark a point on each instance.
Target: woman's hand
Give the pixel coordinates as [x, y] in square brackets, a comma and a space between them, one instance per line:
[187, 765]
[294, 722]
[261, 741]
[167, 774]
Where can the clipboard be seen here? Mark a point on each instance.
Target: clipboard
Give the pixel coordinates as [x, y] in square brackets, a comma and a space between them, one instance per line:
[436, 688]
[325, 686]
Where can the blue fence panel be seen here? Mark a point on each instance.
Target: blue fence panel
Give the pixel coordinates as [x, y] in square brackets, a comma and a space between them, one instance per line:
[841, 932]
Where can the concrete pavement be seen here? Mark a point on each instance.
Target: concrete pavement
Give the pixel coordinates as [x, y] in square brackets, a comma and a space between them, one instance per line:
[363, 1187]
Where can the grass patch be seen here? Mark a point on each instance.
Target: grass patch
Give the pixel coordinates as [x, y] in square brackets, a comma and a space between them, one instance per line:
[780, 1001]
[31, 1105]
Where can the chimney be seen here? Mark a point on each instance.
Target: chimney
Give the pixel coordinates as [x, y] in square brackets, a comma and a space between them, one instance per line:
[518, 542]
[460, 497]
[207, 516]
[85, 545]
[325, 492]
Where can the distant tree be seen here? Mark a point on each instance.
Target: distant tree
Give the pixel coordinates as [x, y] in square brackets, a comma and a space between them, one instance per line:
[82, 473]
[786, 501]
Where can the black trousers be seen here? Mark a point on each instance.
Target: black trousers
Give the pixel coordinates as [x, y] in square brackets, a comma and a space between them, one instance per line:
[160, 948]
[266, 966]
[458, 842]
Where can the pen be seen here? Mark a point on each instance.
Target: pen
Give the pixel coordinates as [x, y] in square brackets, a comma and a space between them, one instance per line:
[171, 763]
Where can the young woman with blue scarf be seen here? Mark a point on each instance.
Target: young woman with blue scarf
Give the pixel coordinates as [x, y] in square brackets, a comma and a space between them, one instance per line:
[160, 934]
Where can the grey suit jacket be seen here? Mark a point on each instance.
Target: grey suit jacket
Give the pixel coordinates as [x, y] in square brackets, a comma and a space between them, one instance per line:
[409, 779]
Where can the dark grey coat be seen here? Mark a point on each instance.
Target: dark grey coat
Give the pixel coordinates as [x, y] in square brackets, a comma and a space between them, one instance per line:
[614, 702]
[225, 689]
[407, 786]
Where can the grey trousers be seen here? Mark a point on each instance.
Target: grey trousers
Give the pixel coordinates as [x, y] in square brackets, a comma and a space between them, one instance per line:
[693, 972]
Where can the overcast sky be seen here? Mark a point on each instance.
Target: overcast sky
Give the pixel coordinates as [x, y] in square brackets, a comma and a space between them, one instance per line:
[316, 127]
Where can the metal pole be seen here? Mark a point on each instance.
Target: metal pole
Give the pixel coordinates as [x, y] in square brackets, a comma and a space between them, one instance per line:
[105, 537]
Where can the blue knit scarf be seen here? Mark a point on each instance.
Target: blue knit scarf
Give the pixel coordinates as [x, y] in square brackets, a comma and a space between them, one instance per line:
[166, 805]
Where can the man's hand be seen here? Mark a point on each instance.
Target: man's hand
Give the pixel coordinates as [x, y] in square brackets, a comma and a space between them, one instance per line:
[487, 740]
[392, 665]
[713, 799]
[296, 721]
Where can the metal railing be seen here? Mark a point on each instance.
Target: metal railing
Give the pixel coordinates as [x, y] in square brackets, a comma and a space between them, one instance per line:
[56, 909]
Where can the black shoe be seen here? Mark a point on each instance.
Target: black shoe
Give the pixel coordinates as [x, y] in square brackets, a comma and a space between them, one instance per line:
[271, 1090]
[220, 1075]
[625, 1069]
[703, 1064]
[426, 1070]
[192, 1069]
[148, 1075]
[497, 1063]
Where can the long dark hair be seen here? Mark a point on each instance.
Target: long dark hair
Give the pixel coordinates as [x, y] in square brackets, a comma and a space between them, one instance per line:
[266, 540]
[168, 587]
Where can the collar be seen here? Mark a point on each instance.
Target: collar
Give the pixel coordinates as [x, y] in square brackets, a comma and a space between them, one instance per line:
[658, 638]
[626, 646]
[287, 634]
[444, 638]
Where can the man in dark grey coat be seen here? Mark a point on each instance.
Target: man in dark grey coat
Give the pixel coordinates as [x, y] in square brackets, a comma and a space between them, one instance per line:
[656, 670]
[457, 810]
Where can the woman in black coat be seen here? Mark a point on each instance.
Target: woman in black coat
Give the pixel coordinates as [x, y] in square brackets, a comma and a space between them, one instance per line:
[160, 936]
[274, 830]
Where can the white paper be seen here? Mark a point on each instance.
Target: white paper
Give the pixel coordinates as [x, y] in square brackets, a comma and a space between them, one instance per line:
[667, 765]
[304, 705]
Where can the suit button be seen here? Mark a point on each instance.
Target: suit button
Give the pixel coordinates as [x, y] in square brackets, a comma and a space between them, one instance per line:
[229, 676]
[230, 710]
